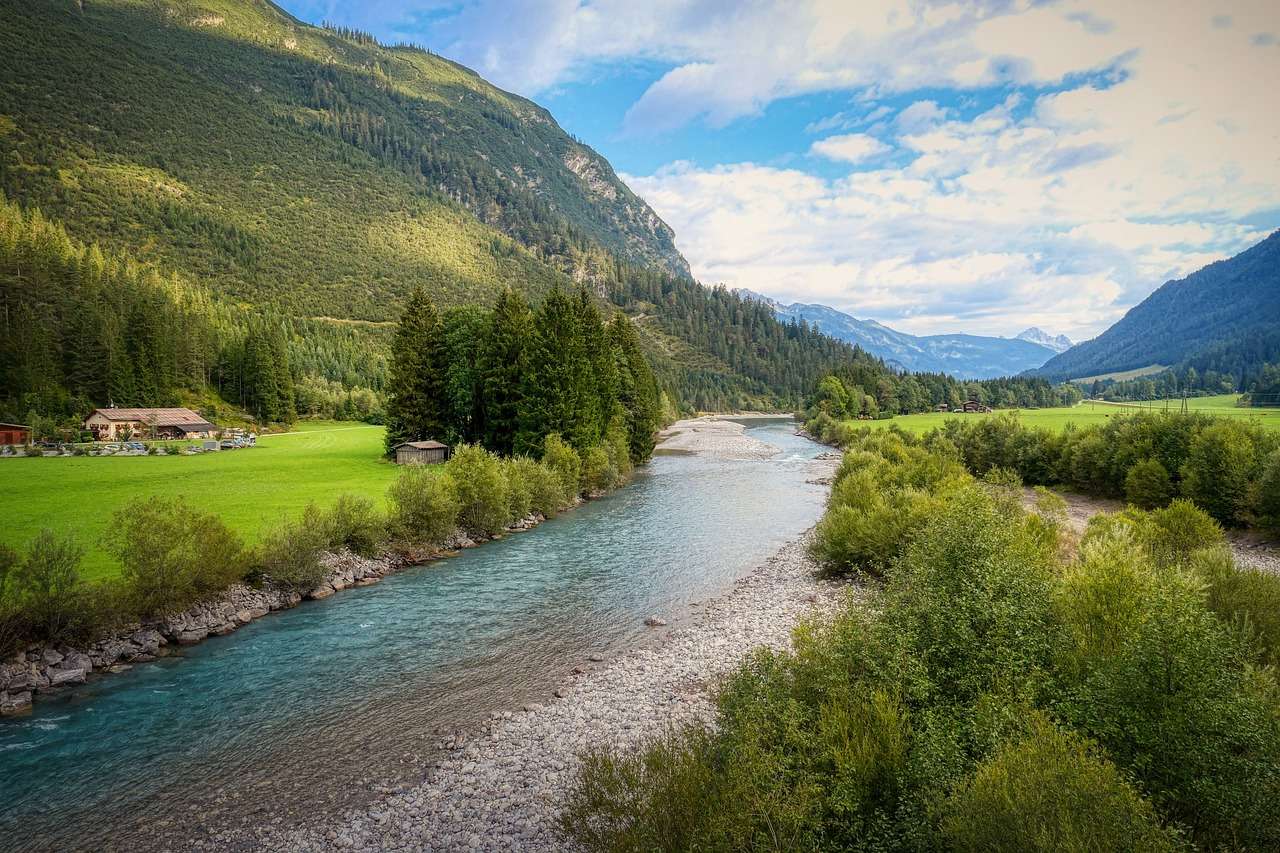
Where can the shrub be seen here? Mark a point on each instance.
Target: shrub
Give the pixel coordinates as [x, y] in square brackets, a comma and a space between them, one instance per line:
[290, 555]
[1176, 706]
[172, 554]
[1147, 485]
[1052, 791]
[659, 796]
[1219, 468]
[617, 443]
[597, 474]
[424, 505]
[519, 488]
[354, 523]
[567, 465]
[43, 597]
[483, 506]
[1269, 492]
[542, 484]
[1180, 529]
[1244, 596]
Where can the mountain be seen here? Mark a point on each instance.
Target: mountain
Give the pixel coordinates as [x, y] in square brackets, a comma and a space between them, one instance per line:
[311, 177]
[1224, 317]
[1057, 343]
[962, 356]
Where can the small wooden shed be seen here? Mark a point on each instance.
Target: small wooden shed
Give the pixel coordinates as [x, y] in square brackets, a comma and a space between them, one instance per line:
[15, 434]
[421, 452]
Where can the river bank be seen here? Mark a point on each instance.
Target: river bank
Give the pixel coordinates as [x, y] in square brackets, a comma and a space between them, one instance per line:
[499, 786]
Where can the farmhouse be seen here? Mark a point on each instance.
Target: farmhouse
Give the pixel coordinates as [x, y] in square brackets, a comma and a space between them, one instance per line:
[942, 407]
[113, 424]
[421, 452]
[15, 434]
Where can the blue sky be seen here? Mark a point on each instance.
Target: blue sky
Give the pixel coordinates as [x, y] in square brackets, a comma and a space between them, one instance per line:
[937, 165]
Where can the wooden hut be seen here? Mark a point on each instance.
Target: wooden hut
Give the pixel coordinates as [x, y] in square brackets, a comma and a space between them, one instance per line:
[421, 452]
[14, 434]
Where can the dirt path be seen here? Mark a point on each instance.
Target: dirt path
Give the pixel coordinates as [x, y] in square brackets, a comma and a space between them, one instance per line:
[1251, 548]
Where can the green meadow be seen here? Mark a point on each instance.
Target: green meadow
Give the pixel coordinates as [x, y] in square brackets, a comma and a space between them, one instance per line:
[1090, 413]
[251, 489]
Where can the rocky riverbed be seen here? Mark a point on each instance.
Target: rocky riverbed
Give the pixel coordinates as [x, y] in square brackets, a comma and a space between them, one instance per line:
[714, 437]
[499, 788]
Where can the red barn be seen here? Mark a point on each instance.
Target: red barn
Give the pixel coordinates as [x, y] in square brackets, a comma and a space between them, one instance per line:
[15, 434]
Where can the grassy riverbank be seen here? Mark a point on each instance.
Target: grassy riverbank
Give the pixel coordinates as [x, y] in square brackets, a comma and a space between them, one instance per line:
[251, 490]
[1087, 413]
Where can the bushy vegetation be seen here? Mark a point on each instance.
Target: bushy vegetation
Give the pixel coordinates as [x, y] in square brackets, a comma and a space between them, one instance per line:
[1228, 468]
[44, 598]
[1001, 691]
[172, 554]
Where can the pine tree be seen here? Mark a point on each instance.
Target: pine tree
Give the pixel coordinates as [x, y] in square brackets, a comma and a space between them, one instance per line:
[637, 389]
[504, 361]
[415, 387]
[600, 383]
[556, 377]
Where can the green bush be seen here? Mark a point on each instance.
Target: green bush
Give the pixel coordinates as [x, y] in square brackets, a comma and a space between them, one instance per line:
[483, 501]
[544, 487]
[290, 555]
[567, 465]
[1269, 492]
[424, 505]
[354, 523]
[1243, 596]
[1052, 791]
[172, 554]
[1175, 704]
[1148, 485]
[519, 487]
[660, 796]
[43, 597]
[1219, 470]
[597, 474]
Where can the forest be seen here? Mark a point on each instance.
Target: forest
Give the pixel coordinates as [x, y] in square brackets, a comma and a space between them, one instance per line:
[508, 378]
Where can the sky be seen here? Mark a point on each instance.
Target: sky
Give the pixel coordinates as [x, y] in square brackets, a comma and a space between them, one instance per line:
[977, 166]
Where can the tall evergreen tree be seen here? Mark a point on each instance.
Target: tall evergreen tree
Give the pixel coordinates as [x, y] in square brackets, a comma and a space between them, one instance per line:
[415, 387]
[464, 330]
[556, 378]
[637, 389]
[504, 361]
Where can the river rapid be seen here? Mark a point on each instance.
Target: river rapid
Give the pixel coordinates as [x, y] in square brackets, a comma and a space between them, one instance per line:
[336, 702]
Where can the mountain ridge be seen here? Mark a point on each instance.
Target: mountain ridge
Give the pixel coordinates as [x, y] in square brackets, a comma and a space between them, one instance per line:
[961, 355]
[1224, 317]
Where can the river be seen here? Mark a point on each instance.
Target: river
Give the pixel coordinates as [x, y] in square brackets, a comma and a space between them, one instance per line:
[336, 701]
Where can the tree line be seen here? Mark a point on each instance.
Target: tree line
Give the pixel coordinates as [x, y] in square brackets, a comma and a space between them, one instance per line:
[509, 377]
[80, 328]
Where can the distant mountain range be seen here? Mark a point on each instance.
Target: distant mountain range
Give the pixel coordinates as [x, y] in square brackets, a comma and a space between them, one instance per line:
[1057, 343]
[961, 356]
[1225, 318]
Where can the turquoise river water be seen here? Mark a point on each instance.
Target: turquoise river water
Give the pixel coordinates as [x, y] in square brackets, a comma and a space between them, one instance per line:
[326, 705]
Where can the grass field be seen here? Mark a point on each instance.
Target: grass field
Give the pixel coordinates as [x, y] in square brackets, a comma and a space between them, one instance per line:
[1091, 413]
[251, 489]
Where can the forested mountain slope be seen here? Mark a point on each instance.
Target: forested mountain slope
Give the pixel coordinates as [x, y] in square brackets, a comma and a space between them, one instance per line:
[1225, 318]
[311, 178]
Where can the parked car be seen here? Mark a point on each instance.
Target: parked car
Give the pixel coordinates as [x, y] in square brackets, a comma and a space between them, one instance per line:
[228, 444]
[110, 448]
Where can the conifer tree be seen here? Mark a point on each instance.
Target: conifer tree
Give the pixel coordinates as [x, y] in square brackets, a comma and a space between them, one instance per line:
[504, 361]
[415, 387]
[637, 389]
[556, 378]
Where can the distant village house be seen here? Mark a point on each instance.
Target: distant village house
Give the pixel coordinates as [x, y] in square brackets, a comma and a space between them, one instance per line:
[116, 424]
[14, 434]
[421, 452]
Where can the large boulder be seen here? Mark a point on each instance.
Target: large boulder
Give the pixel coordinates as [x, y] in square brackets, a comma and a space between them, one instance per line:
[13, 704]
[61, 677]
[77, 660]
[192, 636]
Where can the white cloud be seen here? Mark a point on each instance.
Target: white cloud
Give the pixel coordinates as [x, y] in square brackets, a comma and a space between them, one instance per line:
[849, 148]
[1160, 144]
